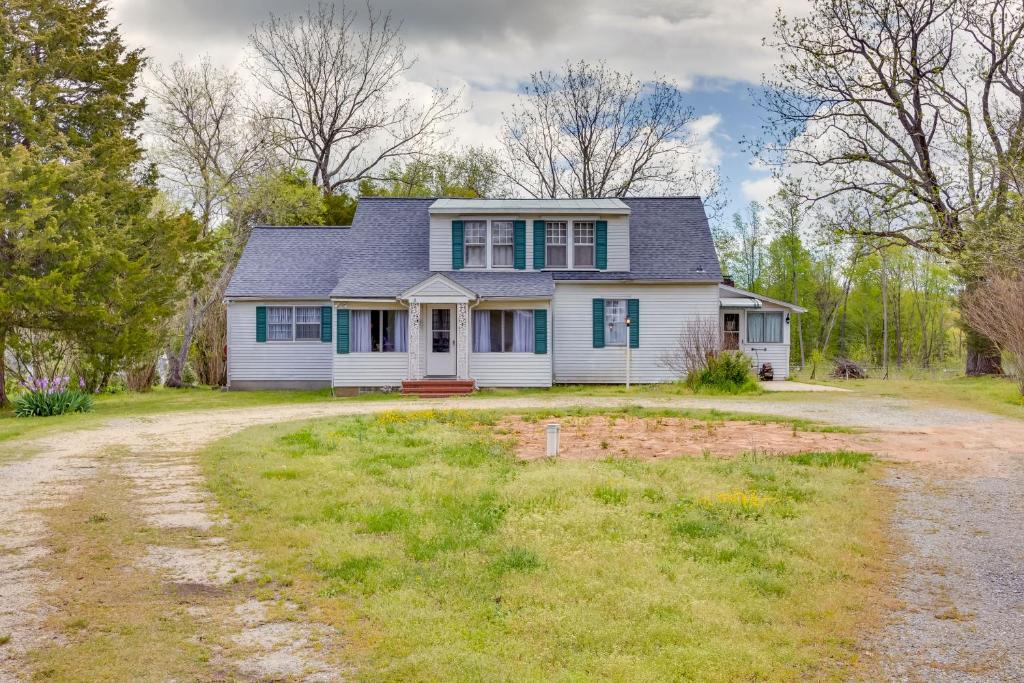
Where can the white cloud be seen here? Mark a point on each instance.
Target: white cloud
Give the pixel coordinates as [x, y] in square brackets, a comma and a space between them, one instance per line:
[760, 189]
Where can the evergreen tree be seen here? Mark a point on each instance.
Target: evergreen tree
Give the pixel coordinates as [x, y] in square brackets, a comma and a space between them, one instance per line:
[82, 253]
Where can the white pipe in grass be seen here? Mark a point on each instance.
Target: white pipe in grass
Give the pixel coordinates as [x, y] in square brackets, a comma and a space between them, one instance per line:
[553, 430]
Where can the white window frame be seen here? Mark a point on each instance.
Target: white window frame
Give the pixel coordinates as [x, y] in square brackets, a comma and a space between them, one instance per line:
[764, 327]
[619, 304]
[485, 245]
[570, 243]
[492, 229]
[489, 242]
[566, 244]
[507, 317]
[293, 337]
[592, 244]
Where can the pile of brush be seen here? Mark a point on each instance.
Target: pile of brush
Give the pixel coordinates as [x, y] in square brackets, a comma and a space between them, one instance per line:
[844, 368]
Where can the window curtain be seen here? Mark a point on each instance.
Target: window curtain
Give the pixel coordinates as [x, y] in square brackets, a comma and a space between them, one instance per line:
[755, 327]
[359, 333]
[773, 328]
[401, 331]
[522, 332]
[481, 331]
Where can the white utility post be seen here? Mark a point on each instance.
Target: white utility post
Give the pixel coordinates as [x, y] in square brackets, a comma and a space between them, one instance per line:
[629, 357]
[553, 430]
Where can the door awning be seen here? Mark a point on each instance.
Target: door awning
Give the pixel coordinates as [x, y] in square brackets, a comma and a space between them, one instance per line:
[739, 302]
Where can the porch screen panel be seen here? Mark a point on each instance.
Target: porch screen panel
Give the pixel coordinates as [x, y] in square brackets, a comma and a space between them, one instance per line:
[360, 338]
[401, 333]
[773, 328]
[481, 331]
[522, 331]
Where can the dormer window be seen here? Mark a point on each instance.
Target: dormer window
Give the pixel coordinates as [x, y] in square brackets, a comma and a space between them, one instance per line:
[501, 244]
[583, 244]
[476, 244]
[556, 244]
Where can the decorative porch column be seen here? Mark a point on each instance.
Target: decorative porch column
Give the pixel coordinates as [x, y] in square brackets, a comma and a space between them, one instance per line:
[462, 340]
[415, 342]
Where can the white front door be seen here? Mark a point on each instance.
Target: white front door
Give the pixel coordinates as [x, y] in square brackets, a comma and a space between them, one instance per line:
[441, 341]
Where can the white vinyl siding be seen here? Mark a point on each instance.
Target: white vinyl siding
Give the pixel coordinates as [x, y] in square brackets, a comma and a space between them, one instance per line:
[512, 369]
[760, 353]
[664, 311]
[370, 369]
[249, 360]
[441, 238]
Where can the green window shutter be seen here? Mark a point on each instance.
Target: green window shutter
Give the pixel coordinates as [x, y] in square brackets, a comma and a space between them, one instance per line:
[261, 323]
[598, 323]
[538, 245]
[519, 244]
[458, 245]
[633, 311]
[343, 330]
[540, 331]
[325, 324]
[601, 245]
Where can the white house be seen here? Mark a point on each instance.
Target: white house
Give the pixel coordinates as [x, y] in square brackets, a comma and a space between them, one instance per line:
[441, 296]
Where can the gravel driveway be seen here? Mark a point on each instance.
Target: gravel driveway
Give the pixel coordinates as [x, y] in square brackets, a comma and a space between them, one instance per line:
[959, 478]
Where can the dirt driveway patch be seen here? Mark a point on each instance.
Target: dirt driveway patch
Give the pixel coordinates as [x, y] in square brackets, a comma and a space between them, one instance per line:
[598, 436]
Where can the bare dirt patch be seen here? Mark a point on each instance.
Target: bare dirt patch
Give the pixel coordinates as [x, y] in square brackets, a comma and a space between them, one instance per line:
[598, 436]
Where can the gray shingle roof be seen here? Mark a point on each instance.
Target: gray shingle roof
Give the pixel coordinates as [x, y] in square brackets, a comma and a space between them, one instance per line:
[386, 251]
[368, 284]
[283, 263]
[669, 239]
[609, 205]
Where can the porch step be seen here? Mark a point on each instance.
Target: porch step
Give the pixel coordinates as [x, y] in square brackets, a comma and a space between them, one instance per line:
[438, 388]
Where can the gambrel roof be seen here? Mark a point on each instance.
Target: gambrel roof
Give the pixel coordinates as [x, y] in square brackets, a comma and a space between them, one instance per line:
[386, 251]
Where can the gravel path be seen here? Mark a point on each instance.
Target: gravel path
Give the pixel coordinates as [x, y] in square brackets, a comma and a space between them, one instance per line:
[960, 598]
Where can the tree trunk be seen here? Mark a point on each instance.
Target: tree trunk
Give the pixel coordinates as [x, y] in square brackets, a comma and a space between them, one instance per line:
[3, 368]
[799, 325]
[176, 360]
[983, 358]
[885, 319]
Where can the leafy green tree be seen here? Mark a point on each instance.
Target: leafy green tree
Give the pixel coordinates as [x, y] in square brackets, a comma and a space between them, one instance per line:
[787, 271]
[472, 172]
[751, 242]
[82, 251]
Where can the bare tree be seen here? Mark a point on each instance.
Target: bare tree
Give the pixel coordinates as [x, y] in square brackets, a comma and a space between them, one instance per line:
[699, 340]
[334, 94]
[995, 307]
[590, 131]
[916, 104]
[205, 144]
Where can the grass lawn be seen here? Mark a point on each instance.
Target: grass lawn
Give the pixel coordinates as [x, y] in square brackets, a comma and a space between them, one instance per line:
[441, 557]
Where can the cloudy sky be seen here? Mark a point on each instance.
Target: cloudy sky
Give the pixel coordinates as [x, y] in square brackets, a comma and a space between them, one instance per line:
[711, 48]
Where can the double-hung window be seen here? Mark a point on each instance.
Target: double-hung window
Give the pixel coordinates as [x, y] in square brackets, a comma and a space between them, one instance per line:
[615, 321]
[503, 331]
[501, 244]
[293, 323]
[476, 244]
[764, 327]
[556, 244]
[583, 244]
